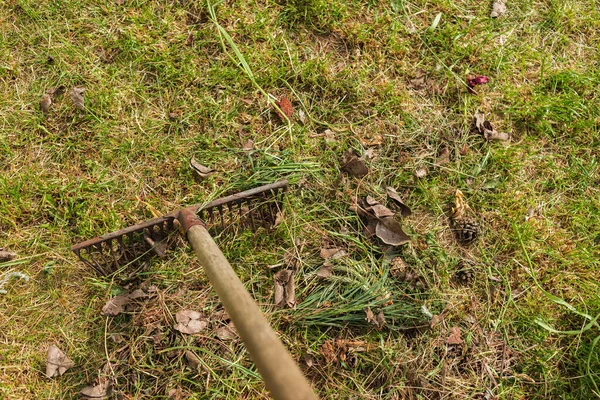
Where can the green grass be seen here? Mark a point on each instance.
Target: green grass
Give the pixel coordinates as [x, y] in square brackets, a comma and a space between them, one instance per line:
[529, 315]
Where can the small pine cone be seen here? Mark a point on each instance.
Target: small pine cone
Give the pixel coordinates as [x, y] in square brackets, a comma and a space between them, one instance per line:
[464, 276]
[398, 268]
[467, 230]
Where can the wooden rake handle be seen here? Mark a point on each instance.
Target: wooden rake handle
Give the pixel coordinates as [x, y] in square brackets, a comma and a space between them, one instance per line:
[281, 374]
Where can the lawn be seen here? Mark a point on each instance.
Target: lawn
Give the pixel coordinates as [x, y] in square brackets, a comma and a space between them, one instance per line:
[511, 315]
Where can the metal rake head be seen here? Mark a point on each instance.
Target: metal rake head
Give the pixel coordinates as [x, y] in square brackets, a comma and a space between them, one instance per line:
[252, 209]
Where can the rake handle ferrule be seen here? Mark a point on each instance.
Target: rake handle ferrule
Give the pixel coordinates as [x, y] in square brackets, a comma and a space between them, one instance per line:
[187, 218]
[280, 372]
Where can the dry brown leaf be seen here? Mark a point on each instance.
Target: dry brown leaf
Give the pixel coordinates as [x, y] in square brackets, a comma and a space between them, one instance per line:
[57, 363]
[285, 289]
[377, 320]
[117, 304]
[302, 116]
[249, 145]
[325, 271]
[192, 359]
[390, 232]
[498, 8]
[443, 156]
[226, 332]
[454, 337]
[77, 98]
[55, 92]
[421, 172]
[487, 130]
[309, 360]
[190, 40]
[100, 391]
[352, 164]
[45, 103]
[190, 322]
[201, 170]
[405, 211]
[332, 253]
[176, 394]
[7, 255]
[285, 105]
[379, 210]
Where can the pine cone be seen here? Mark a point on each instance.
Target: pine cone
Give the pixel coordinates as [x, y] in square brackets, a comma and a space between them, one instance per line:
[464, 224]
[464, 275]
[467, 230]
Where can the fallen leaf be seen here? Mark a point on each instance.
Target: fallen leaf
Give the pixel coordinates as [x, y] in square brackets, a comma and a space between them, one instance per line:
[116, 338]
[174, 115]
[100, 391]
[443, 157]
[57, 363]
[176, 394]
[405, 211]
[77, 98]
[302, 116]
[249, 145]
[390, 232]
[309, 360]
[378, 320]
[116, 305]
[333, 253]
[378, 209]
[192, 359]
[418, 82]
[421, 172]
[45, 103]
[325, 271]
[190, 40]
[7, 255]
[201, 170]
[190, 322]
[286, 107]
[119, 2]
[226, 332]
[454, 337]
[487, 130]
[56, 92]
[278, 219]
[352, 164]
[498, 8]
[340, 349]
[285, 289]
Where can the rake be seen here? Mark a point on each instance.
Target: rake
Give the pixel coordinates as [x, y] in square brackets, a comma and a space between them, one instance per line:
[109, 253]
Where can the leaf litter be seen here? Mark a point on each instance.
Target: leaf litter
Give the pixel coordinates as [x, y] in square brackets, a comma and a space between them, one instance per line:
[190, 322]
[380, 221]
[498, 8]
[377, 320]
[353, 165]
[285, 105]
[201, 170]
[285, 289]
[405, 210]
[118, 304]
[485, 128]
[57, 362]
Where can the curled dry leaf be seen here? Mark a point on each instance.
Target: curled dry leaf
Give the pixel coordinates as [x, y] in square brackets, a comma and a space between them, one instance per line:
[7, 255]
[285, 105]
[352, 164]
[443, 156]
[190, 40]
[454, 337]
[333, 253]
[377, 320]
[249, 145]
[325, 271]
[405, 211]
[377, 208]
[421, 172]
[57, 363]
[498, 8]
[487, 130]
[201, 170]
[390, 232]
[55, 92]
[190, 322]
[100, 391]
[192, 359]
[117, 304]
[285, 289]
[226, 332]
[159, 247]
[77, 98]
[177, 394]
[302, 116]
[45, 103]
